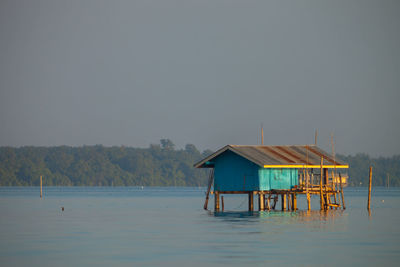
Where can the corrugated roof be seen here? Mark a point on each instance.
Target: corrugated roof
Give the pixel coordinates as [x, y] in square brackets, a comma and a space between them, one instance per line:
[289, 156]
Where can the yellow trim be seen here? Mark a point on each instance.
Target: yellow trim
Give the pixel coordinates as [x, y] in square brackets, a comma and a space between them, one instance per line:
[307, 166]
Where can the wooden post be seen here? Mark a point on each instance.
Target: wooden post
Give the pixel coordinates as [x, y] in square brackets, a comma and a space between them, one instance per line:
[326, 177]
[216, 200]
[261, 201]
[294, 202]
[387, 180]
[289, 202]
[210, 180]
[41, 187]
[222, 202]
[268, 202]
[283, 198]
[327, 195]
[334, 180]
[341, 191]
[369, 188]
[307, 193]
[275, 200]
[251, 201]
[320, 186]
[326, 187]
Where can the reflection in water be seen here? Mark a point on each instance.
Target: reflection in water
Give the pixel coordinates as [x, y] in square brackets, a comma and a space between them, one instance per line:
[278, 223]
[282, 217]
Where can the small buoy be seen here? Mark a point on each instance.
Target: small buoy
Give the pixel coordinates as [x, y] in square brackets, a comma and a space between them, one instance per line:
[62, 208]
[383, 201]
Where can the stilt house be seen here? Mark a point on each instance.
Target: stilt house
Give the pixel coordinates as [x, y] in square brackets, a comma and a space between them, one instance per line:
[260, 169]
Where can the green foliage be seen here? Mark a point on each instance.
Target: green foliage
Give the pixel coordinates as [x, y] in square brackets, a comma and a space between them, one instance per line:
[158, 165]
[381, 168]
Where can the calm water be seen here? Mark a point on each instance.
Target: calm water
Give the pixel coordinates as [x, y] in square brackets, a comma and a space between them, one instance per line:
[168, 227]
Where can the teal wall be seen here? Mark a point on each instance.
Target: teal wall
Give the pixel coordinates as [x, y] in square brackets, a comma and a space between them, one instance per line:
[278, 178]
[235, 173]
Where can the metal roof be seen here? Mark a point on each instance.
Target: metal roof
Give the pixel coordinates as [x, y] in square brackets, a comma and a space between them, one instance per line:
[289, 156]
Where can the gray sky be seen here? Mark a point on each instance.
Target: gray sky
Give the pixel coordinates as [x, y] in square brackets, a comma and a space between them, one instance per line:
[207, 72]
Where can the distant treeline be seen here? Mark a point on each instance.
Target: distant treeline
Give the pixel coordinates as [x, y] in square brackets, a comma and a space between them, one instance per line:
[382, 168]
[159, 165]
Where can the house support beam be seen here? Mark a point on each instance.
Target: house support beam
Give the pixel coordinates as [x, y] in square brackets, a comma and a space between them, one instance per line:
[261, 201]
[216, 200]
[294, 202]
[251, 201]
[283, 197]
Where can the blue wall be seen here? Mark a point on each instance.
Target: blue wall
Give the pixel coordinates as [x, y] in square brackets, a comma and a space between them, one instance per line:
[235, 173]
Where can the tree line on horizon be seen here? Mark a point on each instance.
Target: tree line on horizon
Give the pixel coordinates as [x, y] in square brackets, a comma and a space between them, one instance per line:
[158, 165]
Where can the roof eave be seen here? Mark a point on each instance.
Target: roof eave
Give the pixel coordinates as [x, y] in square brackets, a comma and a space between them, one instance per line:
[201, 163]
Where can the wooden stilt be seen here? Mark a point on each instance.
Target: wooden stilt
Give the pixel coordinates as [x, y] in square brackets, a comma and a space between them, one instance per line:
[369, 188]
[329, 197]
[41, 187]
[326, 177]
[283, 198]
[307, 193]
[269, 202]
[334, 195]
[320, 186]
[387, 182]
[289, 202]
[261, 201]
[275, 201]
[210, 181]
[294, 202]
[341, 191]
[251, 201]
[216, 199]
[222, 203]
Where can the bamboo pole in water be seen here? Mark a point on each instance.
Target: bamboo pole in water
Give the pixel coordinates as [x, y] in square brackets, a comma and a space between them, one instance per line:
[41, 192]
[334, 183]
[387, 180]
[210, 181]
[369, 188]
[307, 184]
[222, 202]
[320, 186]
[341, 191]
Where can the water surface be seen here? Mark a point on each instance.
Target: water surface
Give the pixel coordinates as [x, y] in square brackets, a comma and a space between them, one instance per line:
[134, 226]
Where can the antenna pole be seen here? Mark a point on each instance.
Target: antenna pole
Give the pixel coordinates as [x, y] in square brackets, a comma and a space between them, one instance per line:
[316, 136]
[262, 135]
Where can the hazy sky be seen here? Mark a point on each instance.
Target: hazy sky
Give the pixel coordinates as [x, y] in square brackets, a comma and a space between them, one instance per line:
[207, 72]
